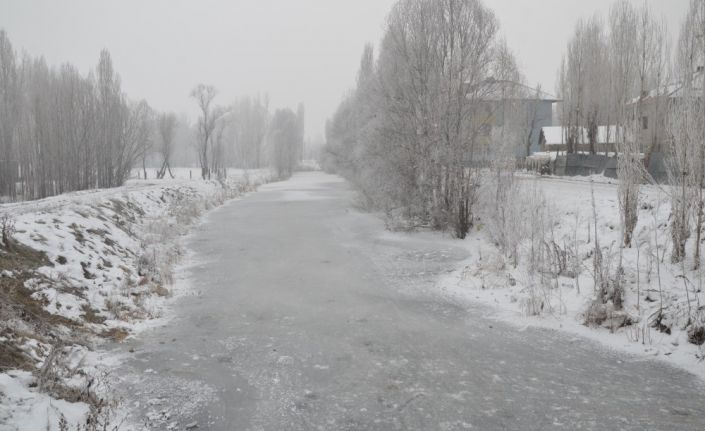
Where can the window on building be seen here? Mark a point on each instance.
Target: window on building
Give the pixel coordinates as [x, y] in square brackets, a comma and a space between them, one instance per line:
[645, 123]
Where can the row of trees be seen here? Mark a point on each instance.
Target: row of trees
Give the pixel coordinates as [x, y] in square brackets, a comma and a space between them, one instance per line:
[607, 70]
[414, 133]
[615, 75]
[626, 73]
[623, 73]
[246, 135]
[432, 129]
[61, 131]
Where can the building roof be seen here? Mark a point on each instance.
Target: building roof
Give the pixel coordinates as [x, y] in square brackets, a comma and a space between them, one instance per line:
[675, 89]
[553, 135]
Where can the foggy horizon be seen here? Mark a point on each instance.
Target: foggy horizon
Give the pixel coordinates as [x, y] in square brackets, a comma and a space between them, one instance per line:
[295, 52]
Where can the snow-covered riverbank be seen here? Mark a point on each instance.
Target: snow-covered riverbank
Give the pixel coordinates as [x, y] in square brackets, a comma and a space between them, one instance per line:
[83, 267]
[525, 297]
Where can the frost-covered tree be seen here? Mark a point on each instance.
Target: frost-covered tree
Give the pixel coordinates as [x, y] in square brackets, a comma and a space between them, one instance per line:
[624, 25]
[166, 129]
[615, 76]
[207, 123]
[582, 85]
[61, 131]
[143, 123]
[686, 125]
[113, 121]
[351, 147]
[284, 142]
[413, 134]
[649, 74]
[301, 129]
[249, 121]
[218, 165]
[9, 116]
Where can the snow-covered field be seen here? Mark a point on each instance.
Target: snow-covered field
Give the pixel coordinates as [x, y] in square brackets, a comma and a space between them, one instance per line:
[104, 271]
[653, 286]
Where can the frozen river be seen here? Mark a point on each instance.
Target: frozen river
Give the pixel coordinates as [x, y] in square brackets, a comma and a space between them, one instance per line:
[309, 316]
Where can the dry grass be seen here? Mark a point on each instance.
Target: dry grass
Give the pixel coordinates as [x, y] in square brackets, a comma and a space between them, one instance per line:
[116, 334]
[12, 357]
[23, 317]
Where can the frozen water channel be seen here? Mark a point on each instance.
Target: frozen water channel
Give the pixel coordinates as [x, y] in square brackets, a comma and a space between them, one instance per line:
[309, 316]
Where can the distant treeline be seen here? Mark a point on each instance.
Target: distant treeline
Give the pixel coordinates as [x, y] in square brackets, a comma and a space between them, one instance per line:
[62, 131]
[246, 135]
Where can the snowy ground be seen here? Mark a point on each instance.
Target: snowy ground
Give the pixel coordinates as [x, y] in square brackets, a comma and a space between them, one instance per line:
[110, 265]
[490, 278]
[106, 271]
[347, 329]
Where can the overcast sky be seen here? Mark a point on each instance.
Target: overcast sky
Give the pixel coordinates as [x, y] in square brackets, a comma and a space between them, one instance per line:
[294, 50]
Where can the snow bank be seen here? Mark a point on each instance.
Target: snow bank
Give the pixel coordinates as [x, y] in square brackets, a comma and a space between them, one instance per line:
[652, 285]
[109, 252]
[27, 409]
[106, 269]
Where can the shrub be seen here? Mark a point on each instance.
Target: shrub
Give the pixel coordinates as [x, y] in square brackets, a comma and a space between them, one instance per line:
[7, 231]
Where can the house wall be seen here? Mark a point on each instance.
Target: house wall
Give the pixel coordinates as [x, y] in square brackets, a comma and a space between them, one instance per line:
[654, 110]
[523, 111]
[544, 118]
